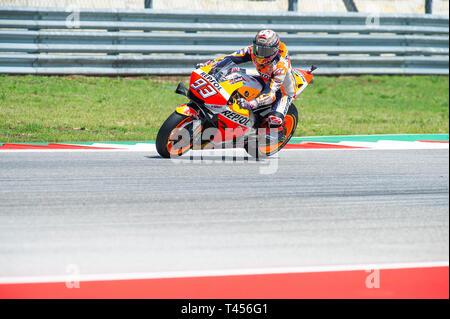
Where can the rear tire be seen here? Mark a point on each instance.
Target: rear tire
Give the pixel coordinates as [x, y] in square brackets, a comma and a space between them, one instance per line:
[290, 122]
[167, 135]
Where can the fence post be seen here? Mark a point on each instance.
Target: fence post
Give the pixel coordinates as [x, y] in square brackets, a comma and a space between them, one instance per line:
[148, 4]
[350, 6]
[293, 5]
[429, 6]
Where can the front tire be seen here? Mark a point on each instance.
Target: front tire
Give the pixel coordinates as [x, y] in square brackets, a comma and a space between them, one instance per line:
[174, 137]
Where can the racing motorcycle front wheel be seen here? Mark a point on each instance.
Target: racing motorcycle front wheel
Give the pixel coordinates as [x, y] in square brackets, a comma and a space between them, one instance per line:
[259, 149]
[175, 136]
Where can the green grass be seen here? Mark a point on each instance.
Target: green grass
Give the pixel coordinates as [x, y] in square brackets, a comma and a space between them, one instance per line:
[375, 105]
[76, 109]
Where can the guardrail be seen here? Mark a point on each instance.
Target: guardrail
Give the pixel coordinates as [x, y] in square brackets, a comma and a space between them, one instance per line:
[127, 42]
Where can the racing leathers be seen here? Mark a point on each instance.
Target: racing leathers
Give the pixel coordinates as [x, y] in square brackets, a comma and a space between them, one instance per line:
[279, 84]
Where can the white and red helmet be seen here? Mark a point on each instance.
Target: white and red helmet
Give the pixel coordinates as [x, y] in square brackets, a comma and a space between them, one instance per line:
[266, 46]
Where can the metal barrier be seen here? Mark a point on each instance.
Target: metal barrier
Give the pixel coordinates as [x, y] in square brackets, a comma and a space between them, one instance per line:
[127, 42]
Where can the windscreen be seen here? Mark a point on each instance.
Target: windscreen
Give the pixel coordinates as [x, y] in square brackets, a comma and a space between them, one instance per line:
[226, 72]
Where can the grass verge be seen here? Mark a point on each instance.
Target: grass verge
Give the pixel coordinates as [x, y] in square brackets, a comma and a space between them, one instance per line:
[77, 109]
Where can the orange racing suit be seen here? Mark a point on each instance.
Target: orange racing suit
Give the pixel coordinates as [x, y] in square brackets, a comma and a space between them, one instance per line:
[279, 83]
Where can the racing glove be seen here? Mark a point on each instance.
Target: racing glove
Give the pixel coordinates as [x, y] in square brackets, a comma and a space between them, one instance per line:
[248, 105]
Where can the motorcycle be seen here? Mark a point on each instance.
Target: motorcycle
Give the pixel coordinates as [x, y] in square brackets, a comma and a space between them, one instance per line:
[213, 119]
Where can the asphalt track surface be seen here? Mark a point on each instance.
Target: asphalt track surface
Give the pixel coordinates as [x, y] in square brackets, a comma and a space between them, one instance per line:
[121, 212]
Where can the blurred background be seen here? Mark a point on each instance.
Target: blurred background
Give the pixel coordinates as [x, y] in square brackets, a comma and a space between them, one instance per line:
[369, 6]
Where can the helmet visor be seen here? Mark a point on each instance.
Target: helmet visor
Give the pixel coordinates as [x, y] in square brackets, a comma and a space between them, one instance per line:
[263, 52]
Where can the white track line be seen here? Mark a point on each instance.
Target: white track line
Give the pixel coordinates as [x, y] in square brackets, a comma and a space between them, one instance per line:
[384, 145]
[396, 145]
[375, 135]
[216, 273]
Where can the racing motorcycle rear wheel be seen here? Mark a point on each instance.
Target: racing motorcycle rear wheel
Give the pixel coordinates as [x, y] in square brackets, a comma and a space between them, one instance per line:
[263, 150]
[175, 136]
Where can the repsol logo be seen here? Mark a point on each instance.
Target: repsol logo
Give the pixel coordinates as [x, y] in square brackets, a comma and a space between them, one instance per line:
[237, 118]
[212, 80]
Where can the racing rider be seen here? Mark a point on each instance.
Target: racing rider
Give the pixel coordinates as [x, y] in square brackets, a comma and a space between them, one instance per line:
[271, 58]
